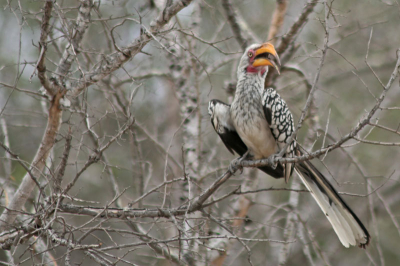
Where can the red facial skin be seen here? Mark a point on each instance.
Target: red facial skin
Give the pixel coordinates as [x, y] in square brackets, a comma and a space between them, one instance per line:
[251, 69]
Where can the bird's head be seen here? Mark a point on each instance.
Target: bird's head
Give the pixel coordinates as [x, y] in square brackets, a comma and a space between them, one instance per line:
[258, 57]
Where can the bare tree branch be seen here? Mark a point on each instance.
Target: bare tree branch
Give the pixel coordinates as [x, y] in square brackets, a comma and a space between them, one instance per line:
[289, 37]
[237, 31]
[116, 60]
[129, 169]
[27, 185]
[277, 20]
[41, 67]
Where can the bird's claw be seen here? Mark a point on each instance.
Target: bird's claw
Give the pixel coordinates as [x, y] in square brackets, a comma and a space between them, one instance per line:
[235, 165]
[271, 161]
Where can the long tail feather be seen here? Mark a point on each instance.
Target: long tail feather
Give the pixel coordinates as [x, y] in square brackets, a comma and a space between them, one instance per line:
[346, 224]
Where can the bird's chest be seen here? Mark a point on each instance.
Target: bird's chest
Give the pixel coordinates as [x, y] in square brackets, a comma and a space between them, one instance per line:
[248, 118]
[247, 114]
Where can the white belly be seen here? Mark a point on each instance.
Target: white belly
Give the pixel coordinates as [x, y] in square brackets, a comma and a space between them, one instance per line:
[258, 137]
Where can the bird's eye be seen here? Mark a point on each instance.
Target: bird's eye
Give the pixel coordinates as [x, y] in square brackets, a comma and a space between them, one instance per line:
[250, 54]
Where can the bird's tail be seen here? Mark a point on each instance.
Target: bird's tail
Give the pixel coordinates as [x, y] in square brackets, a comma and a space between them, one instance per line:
[346, 224]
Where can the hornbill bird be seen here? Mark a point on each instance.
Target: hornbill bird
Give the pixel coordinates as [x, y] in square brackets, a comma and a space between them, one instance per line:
[259, 124]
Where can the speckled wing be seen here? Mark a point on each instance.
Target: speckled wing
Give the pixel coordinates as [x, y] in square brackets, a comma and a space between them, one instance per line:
[281, 123]
[345, 222]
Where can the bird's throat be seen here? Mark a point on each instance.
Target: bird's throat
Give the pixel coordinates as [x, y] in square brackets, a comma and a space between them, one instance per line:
[251, 69]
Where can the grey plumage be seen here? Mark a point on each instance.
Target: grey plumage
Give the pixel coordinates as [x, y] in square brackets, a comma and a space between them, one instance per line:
[221, 120]
[248, 116]
[260, 121]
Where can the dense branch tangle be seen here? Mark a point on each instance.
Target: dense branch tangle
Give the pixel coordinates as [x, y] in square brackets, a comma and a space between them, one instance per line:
[128, 168]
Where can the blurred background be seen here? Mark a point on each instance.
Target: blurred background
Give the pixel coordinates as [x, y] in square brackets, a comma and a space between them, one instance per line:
[171, 153]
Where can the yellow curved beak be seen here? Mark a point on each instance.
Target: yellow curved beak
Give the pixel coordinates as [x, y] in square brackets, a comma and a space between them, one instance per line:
[267, 48]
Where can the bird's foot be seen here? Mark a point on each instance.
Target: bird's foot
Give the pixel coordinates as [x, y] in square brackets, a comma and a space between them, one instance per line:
[236, 164]
[271, 161]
